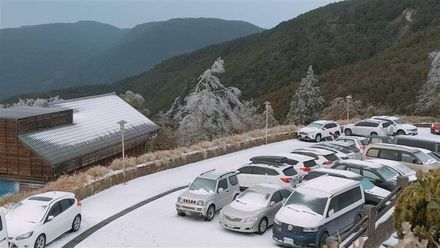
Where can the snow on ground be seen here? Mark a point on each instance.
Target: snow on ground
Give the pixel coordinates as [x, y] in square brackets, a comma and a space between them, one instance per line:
[157, 224]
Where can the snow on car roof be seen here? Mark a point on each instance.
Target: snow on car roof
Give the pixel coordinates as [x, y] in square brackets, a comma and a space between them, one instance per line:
[399, 147]
[387, 162]
[215, 174]
[362, 163]
[266, 188]
[429, 139]
[339, 172]
[297, 157]
[317, 151]
[323, 121]
[329, 184]
[352, 137]
[48, 197]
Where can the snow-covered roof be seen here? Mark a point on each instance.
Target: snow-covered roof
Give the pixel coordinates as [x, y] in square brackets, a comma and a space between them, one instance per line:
[317, 151]
[296, 157]
[27, 111]
[329, 184]
[267, 188]
[323, 121]
[94, 128]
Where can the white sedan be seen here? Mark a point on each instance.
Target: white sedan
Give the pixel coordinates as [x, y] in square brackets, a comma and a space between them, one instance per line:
[42, 218]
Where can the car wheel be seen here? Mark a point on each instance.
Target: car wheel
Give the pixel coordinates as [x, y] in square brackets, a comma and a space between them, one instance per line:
[180, 213]
[337, 134]
[76, 223]
[400, 132]
[323, 239]
[373, 134]
[235, 197]
[318, 138]
[348, 132]
[262, 226]
[210, 213]
[40, 242]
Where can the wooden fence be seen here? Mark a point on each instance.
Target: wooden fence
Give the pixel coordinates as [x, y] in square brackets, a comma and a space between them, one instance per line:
[368, 226]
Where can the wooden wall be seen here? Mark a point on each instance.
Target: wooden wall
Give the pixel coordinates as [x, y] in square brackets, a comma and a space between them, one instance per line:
[38, 122]
[18, 161]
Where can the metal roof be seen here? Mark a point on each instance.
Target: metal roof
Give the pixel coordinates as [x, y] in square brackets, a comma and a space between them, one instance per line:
[27, 111]
[94, 128]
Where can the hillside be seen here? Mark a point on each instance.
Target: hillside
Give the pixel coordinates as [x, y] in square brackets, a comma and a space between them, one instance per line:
[376, 50]
[44, 57]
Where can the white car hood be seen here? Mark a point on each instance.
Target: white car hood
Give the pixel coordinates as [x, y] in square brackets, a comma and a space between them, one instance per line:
[378, 191]
[407, 126]
[298, 218]
[309, 129]
[19, 227]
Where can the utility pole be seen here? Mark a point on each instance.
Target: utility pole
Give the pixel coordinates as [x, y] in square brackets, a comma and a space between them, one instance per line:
[348, 98]
[267, 103]
[122, 128]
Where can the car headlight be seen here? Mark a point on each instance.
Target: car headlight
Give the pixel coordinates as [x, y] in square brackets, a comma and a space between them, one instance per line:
[276, 221]
[179, 199]
[310, 229]
[24, 236]
[251, 219]
[200, 203]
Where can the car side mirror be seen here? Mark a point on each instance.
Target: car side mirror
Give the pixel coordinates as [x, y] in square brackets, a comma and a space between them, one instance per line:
[271, 204]
[324, 128]
[220, 190]
[331, 212]
[51, 217]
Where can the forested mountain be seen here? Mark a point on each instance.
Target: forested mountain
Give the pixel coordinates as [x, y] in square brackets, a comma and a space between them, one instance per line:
[376, 50]
[44, 57]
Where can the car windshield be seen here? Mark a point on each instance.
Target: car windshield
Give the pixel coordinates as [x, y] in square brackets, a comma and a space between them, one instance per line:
[435, 156]
[403, 169]
[27, 212]
[387, 173]
[424, 158]
[307, 201]
[367, 184]
[250, 197]
[203, 185]
[315, 125]
[399, 121]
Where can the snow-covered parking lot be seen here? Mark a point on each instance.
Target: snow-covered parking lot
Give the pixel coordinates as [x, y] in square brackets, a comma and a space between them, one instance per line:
[157, 224]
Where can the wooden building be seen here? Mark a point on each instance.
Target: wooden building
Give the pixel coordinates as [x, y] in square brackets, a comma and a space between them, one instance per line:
[38, 144]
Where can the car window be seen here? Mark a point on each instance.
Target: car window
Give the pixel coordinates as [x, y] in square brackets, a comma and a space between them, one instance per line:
[276, 197]
[55, 210]
[334, 204]
[222, 184]
[372, 152]
[291, 161]
[233, 180]
[246, 170]
[1, 224]
[389, 154]
[271, 172]
[285, 194]
[385, 125]
[259, 171]
[310, 163]
[361, 124]
[355, 170]
[290, 171]
[349, 197]
[372, 124]
[66, 203]
[311, 175]
[409, 158]
[331, 157]
[370, 175]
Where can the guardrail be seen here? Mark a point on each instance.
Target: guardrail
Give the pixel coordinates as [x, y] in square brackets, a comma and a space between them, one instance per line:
[367, 225]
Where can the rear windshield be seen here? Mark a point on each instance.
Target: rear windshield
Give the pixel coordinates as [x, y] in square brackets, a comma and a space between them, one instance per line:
[310, 163]
[290, 171]
[367, 184]
[331, 157]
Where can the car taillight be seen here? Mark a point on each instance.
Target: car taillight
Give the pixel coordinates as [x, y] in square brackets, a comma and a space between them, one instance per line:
[286, 179]
[305, 169]
[78, 203]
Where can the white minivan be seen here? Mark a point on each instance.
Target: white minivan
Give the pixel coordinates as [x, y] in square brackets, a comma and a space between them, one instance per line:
[3, 230]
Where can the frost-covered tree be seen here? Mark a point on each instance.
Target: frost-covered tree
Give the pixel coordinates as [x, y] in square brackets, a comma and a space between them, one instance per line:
[307, 102]
[429, 97]
[272, 122]
[208, 111]
[136, 101]
[249, 118]
[39, 102]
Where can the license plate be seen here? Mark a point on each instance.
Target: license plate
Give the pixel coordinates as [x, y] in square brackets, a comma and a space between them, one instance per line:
[288, 241]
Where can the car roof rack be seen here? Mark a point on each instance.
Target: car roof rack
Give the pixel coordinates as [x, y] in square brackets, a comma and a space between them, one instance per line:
[203, 173]
[272, 160]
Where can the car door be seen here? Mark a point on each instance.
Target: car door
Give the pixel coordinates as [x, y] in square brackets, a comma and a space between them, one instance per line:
[272, 176]
[326, 129]
[67, 213]
[245, 176]
[275, 203]
[222, 195]
[3, 231]
[53, 228]
[359, 128]
[260, 176]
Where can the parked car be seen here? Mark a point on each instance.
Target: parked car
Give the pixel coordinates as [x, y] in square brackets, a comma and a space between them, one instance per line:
[40, 219]
[322, 157]
[368, 127]
[350, 147]
[373, 194]
[359, 142]
[255, 208]
[374, 139]
[338, 153]
[269, 169]
[397, 167]
[426, 143]
[318, 130]
[302, 163]
[209, 192]
[379, 175]
[399, 126]
[322, 207]
[435, 127]
[417, 159]
[343, 152]
[3, 230]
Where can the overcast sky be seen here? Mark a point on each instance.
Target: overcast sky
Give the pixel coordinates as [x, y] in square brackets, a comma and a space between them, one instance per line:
[128, 13]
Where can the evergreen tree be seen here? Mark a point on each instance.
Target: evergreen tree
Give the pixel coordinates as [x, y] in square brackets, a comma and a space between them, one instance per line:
[307, 102]
[272, 122]
[136, 101]
[249, 119]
